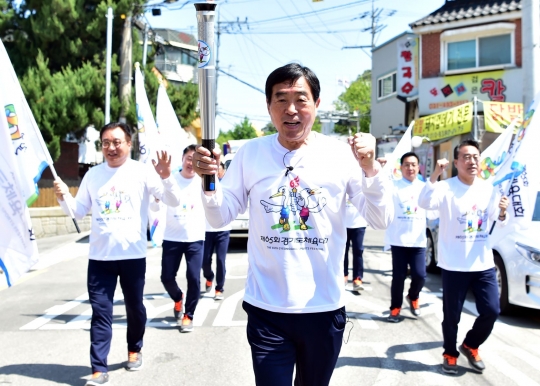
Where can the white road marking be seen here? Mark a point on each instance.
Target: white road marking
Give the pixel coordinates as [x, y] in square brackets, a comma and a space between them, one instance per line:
[226, 311]
[53, 312]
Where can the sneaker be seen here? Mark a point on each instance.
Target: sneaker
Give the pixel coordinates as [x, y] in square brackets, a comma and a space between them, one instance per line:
[186, 325]
[449, 365]
[394, 315]
[357, 284]
[98, 379]
[218, 295]
[178, 308]
[472, 356]
[208, 285]
[134, 362]
[415, 306]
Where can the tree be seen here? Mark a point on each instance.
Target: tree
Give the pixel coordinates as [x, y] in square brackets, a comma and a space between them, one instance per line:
[357, 98]
[242, 130]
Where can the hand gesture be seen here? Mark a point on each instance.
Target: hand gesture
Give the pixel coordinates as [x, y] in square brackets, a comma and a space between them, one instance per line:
[503, 205]
[441, 166]
[60, 188]
[163, 165]
[363, 148]
[382, 161]
[203, 163]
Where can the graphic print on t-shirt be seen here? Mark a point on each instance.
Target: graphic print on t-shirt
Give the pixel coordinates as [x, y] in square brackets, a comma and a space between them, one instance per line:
[295, 200]
[111, 201]
[410, 206]
[473, 219]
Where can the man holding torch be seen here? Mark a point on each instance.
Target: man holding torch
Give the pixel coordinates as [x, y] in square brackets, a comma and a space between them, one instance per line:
[296, 182]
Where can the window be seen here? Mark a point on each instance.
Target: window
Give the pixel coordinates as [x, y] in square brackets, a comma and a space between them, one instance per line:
[386, 86]
[482, 47]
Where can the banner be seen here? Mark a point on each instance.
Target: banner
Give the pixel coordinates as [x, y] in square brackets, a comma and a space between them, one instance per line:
[147, 129]
[449, 123]
[519, 175]
[407, 69]
[494, 156]
[18, 248]
[393, 162]
[498, 115]
[31, 154]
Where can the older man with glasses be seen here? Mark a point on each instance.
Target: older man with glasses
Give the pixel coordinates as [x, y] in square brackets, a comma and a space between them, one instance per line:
[118, 193]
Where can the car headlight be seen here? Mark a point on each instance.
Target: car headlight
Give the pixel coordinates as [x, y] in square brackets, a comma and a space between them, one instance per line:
[528, 252]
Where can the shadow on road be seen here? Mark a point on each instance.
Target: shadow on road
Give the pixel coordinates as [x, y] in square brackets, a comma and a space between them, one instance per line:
[69, 375]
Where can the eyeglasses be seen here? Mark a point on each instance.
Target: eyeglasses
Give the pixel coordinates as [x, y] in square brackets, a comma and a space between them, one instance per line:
[470, 157]
[106, 144]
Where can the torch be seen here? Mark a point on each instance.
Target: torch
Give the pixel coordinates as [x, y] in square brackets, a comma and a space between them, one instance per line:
[207, 80]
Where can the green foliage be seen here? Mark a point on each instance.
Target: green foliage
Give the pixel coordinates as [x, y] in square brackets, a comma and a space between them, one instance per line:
[357, 98]
[269, 129]
[243, 130]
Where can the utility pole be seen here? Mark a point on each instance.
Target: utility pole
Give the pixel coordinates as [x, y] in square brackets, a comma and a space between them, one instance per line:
[108, 66]
[145, 45]
[125, 68]
[530, 32]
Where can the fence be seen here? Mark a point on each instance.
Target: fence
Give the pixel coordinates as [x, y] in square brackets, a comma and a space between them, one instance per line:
[47, 198]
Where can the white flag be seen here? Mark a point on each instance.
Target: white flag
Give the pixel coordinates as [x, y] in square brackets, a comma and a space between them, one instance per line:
[175, 138]
[18, 249]
[519, 175]
[31, 154]
[492, 158]
[147, 129]
[393, 162]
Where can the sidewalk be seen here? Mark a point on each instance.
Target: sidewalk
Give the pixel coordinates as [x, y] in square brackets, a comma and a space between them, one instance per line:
[47, 244]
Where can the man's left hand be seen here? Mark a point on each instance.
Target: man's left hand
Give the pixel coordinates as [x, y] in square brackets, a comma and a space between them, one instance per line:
[503, 205]
[363, 148]
[163, 165]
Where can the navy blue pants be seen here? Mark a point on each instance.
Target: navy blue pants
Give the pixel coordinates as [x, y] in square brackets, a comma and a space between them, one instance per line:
[355, 236]
[416, 259]
[102, 278]
[220, 242]
[170, 263]
[279, 341]
[455, 287]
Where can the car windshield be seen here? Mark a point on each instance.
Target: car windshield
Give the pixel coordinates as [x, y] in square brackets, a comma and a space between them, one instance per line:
[536, 214]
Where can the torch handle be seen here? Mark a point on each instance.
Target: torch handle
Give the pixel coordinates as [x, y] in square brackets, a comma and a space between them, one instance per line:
[209, 180]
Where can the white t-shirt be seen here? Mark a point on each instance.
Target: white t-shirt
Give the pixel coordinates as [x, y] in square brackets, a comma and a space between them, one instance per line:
[408, 228]
[119, 199]
[466, 212]
[186, 222]
[296, 231]
[209, 227]
[353, 219]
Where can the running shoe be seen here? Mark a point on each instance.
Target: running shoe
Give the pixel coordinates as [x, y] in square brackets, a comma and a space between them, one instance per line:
[472, 356]
[218, 295]
[178, 309]
[186, 325]
[98, 379]
[357, 284]
[449, 365]
[394, 315]
[134, 362]
[414, 305]
[208, 285]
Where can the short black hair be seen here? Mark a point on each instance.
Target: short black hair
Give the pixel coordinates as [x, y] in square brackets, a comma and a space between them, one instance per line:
[291, 73]
[188, 149]
[467, 142]
[113, 125]
[409, 154]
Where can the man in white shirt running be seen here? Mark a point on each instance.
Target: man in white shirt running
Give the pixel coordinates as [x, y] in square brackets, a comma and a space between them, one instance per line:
[356, 230]
[184, 235]
[467, 207]
[406, 236]
[118, 193]
[296, 182]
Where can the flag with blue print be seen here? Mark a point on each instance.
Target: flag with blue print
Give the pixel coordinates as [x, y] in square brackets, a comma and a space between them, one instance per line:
[146, 125]
[18, 249]
[31, 154]
[492, 159]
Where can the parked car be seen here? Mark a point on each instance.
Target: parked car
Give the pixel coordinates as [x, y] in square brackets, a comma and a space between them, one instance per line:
[517, 261]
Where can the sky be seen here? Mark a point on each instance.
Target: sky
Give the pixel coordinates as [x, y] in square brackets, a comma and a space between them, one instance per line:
[272, 33]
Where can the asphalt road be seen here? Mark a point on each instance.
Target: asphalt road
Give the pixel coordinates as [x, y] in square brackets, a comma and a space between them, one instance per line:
[44, 336]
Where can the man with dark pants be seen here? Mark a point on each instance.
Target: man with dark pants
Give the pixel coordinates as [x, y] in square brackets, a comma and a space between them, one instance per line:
[118, 193]
[356, 229]
[406, 236]
[184, 235]
[294, 296]
[218, 240]
[467, 206]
